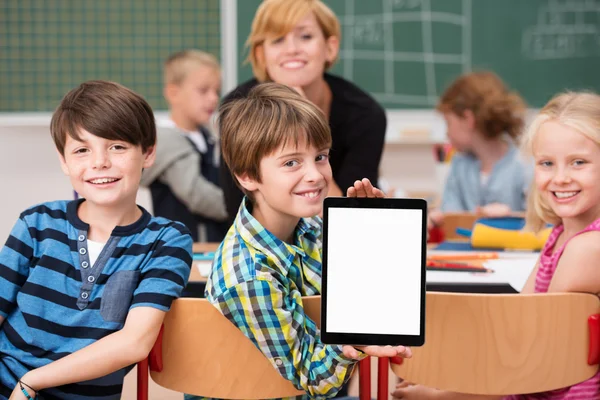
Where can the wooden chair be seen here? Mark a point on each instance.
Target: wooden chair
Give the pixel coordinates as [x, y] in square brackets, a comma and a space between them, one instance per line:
[506, 344]
[200, 352]
[452, 221]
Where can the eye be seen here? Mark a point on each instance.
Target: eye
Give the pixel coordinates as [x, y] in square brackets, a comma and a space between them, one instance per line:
[545, 163]
[277, 40]
[307, 36]
[80, 150]
[579, 163]
[118, 147]
[291, 163]
[322, 157]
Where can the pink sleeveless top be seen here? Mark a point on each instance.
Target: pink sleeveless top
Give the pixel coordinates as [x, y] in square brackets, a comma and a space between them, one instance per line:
[587, 390]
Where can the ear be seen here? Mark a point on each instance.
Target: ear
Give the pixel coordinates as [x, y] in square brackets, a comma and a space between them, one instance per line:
[333, 47]
[259, 56]
[63, 163]
[149, 157]
[469, 118]
[170, 91]
[249, 184]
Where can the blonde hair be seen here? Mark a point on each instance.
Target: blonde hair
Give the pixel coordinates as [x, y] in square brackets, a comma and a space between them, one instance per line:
[496, 109]
[277, 18]
[269, 117]
[579, 111]
[178, 65]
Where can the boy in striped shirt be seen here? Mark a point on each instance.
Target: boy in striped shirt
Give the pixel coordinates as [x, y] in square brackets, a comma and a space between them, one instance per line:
[276, 143]
[85, 284]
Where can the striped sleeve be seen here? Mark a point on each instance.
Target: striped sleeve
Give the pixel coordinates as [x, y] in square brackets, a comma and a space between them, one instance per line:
[277, 325]
[15, 261]
[165, 276]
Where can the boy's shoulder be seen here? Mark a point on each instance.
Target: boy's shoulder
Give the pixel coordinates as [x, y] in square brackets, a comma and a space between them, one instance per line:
[247, 254]
[56, 210]
[167, 226]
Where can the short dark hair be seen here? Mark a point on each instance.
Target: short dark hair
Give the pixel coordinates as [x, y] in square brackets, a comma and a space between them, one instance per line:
[105, 109]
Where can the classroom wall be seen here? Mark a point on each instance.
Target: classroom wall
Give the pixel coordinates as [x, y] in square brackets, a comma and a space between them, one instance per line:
[31, 172]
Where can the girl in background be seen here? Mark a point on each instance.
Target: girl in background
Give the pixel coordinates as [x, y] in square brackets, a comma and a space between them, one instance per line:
[484, 121]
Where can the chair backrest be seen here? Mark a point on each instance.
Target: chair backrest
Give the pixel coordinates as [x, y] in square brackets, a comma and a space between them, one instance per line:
[204, 354]
[464, 220]
[503, 344]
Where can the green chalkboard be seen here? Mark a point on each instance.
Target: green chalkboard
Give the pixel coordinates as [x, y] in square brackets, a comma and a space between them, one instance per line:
[47, 47]
[405, 52]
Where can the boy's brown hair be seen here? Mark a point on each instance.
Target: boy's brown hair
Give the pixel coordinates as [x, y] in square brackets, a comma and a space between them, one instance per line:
[278, 17]
[271, 115]
[178, 65]
[496, 109]
[104, 109]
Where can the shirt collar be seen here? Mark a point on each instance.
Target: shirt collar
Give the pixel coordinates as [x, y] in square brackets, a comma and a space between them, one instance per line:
[126, 230]
[260, 238]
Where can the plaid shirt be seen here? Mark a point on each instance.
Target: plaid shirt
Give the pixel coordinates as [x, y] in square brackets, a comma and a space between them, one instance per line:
[258, 281]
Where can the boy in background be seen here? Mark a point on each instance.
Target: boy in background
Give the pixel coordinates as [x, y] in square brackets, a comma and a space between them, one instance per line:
[276, 143]
[85, 284]
[184, 178]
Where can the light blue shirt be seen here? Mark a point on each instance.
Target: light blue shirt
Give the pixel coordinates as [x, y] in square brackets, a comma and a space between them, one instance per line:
[508, 182]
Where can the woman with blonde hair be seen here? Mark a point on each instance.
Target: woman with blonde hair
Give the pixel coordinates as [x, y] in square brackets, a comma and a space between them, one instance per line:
[295, 42]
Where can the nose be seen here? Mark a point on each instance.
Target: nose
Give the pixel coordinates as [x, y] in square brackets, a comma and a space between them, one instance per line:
[313, 173]
[290, 44]
[562, 175]
[101, 160]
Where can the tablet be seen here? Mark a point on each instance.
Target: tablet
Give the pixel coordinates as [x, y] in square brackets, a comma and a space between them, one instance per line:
[373, 282]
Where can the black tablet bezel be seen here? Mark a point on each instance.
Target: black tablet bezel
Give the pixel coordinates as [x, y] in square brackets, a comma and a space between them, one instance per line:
[373, 338]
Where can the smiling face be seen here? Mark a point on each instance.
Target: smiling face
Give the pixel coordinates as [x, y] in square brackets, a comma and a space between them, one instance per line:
[298, 58]
[106, 172]
[294, 182]
[567, 172]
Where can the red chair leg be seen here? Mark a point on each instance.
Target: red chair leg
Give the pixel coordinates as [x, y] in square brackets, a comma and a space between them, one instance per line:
[382, 378]
[364, 379]
[142, 380]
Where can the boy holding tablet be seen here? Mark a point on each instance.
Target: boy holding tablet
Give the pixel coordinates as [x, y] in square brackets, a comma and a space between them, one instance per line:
[276, 144]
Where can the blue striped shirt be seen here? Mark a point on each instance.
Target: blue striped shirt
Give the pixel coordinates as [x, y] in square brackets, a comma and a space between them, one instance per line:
[55, 302]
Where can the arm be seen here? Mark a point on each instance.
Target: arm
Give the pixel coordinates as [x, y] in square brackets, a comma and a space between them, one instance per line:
[452, 198]
[365, 141]
[577, 269]
[191, 188]
[295, 351]
[15, 261]
[111, 353]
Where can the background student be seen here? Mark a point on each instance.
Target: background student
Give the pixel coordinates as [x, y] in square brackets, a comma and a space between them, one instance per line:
[184, 180]
[85, 284]
[294, 42]
[277, 145]
[564, 140]
[484, 121]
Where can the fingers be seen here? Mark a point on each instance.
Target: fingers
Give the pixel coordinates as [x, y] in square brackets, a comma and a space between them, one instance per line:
[364, 188]
[350, 352]
[387, 351]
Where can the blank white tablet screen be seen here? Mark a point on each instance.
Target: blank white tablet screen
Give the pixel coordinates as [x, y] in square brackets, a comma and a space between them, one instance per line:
[374, 271]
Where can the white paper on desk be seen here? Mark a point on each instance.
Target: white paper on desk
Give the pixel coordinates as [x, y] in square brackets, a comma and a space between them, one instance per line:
[204, 267]
[512, 271]
[515, 271]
